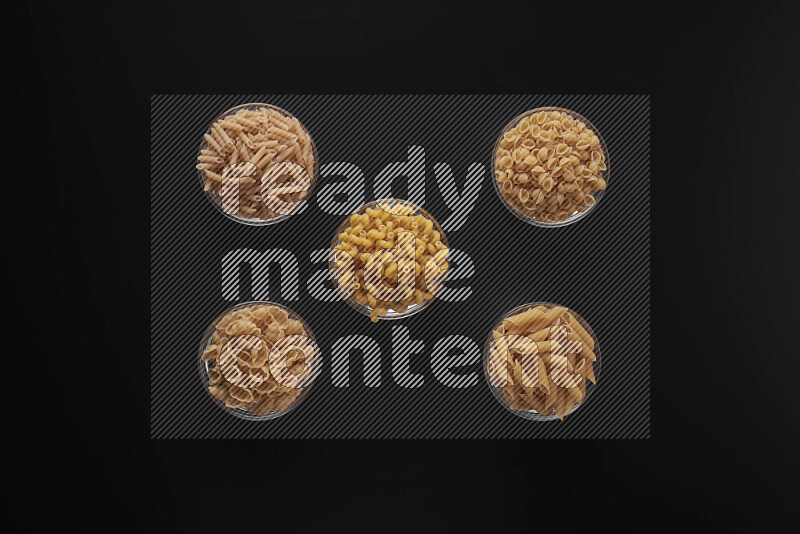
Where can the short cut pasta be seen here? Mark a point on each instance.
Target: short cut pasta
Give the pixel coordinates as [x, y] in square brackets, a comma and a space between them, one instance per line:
[241, 147]
[403, 229]
[258, 359]
[549, 165]
[555, 381]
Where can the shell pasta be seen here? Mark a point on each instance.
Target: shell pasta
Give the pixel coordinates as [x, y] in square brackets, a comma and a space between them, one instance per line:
[550, 164]
[258, 359]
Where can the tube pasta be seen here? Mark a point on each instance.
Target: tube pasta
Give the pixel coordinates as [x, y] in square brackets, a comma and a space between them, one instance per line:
[550, 378]
[263, 137]
[542, 153]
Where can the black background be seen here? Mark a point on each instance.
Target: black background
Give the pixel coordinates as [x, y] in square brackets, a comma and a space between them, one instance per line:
[724, 406]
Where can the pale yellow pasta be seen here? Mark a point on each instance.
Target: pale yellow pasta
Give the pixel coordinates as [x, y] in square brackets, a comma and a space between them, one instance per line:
[263, 137]
[376, 239]
[543, 153]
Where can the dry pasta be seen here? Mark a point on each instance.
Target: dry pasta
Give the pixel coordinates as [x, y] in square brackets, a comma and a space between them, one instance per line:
[260, 138]
[555, 380]
[259, 359]
[396, 257]
[549, 165]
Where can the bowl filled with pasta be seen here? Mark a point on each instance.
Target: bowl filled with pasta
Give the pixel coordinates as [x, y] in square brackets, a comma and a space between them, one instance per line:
[550, 167]
[541, 361]
[257, 164]
[389, 259]
[258, 360]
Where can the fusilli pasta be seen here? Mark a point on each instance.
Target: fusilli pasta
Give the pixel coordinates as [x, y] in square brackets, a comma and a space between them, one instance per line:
[390, 255]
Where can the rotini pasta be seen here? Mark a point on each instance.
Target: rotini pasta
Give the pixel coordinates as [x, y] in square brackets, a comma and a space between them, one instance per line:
[263, 137]
[539, 359]
[549, 165]
[390, 257]
[258, 359]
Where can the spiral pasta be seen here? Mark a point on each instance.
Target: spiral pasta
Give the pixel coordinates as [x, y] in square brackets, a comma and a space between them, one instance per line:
[394, 258]
[549, 165]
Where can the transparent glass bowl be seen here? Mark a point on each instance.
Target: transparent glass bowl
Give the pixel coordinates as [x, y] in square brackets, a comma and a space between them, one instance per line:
[212, 197]
[577, 215]
[242, 413]
[533, 414]
[362, 308]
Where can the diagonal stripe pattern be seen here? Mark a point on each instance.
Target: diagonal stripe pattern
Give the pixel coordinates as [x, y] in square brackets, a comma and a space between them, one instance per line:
[420, 377]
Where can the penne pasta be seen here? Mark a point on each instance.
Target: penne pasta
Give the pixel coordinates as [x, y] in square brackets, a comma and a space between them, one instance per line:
[263, 137]
[538, 360]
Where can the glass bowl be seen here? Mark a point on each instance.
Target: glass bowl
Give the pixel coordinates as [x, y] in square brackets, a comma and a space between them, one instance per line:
[497, 391]
[576, 215]
[304, 382]
[213, 197]
[363, 308]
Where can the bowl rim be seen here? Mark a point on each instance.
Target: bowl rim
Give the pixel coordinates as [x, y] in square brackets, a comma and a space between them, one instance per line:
[202, 366]
[578, 215]
[363, 308]
[258, 222]
[533, 415]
